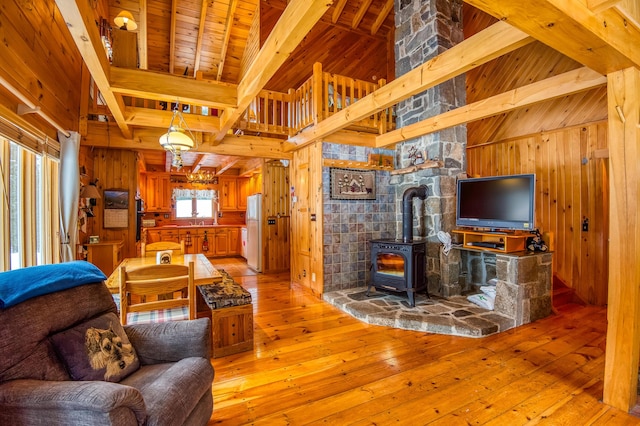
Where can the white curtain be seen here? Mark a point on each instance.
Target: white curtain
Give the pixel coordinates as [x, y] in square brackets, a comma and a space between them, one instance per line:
[188, 194]
[51, 223]
[69, 193]
[5, 213]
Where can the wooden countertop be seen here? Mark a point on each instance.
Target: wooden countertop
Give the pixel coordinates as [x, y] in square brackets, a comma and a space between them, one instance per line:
[183, 227]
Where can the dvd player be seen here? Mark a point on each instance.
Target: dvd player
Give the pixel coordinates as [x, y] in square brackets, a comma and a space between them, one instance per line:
[486, 244]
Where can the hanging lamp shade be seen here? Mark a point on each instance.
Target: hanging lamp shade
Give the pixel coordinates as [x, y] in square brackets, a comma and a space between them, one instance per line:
[125, 21]
[176, 140]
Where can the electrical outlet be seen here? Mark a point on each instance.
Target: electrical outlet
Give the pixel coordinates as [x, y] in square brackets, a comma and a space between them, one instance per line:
[304, 272]
[166, 216]
[219, 214]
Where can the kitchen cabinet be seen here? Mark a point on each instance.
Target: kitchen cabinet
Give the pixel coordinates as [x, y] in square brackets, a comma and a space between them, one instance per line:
[243, 192]
[228, 193]
[158, 192]
[234, 241]
[192, 240]
[221, 242]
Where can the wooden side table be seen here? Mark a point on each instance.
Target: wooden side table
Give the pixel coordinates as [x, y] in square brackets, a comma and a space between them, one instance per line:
[106, 255]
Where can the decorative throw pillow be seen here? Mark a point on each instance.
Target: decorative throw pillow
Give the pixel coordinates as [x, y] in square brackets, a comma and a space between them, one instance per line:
[98, 349]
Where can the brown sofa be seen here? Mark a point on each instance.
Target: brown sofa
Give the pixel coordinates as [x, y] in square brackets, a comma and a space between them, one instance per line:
[171, 386]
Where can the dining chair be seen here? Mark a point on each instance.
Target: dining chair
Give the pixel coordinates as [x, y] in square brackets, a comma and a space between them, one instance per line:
[152, 248]
[145, 282]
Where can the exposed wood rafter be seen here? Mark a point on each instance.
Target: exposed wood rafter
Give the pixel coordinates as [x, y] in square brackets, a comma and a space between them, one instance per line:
[364, 6]
[488, 44]
[551, 88]
[296, 21]
[78, 17]
[203, 20]
[604, 42]
[227, 35]
[388, 7]
[167, 87]
[338, 10]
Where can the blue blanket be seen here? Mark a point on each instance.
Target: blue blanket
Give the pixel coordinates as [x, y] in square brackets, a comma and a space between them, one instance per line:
[22, 284]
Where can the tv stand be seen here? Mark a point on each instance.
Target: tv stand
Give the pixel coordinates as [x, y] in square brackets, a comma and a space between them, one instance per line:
[500, 242]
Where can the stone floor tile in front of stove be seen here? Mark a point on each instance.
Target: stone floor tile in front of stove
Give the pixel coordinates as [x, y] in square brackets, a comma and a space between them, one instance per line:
[455, 315]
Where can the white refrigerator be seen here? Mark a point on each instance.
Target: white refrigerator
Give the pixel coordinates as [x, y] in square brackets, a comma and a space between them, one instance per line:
[254, 232]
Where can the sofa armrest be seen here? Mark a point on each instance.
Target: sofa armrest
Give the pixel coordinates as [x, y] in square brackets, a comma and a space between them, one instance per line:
[89, 400]
[170, 341]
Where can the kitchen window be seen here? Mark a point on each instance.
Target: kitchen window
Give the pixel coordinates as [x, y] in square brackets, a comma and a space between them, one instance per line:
[195, 203]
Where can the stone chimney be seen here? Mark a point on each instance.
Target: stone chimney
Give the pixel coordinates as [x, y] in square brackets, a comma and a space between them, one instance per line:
[424, 29]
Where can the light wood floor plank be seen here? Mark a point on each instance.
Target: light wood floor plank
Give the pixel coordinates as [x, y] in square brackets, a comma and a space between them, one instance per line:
[313, 364]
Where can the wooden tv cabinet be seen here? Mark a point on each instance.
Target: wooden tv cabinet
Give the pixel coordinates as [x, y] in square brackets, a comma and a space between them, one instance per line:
[493, 241]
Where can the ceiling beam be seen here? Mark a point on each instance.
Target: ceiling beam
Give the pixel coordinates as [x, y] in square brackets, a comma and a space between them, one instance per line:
[227, 165]
[604, 42]
[242, 146]
[493, 42]
[559, 86]
[227, 36]
[357, 18]
[600, 5]
[203, 20]
[169, 87]
[78, 16]
[143, 36]
[338, 10]
[386, 9]
[251, 166]
[172, 36]
[147, 117]
[197, 163]
[295, 23]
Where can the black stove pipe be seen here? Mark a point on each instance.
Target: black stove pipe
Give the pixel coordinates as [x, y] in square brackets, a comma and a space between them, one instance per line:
[407, 210]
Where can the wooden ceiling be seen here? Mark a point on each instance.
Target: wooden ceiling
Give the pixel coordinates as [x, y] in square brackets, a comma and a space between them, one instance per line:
[216, 39]
[184, 37]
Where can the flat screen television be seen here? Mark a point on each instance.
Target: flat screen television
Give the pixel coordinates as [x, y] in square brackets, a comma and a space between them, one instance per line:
[497, 202]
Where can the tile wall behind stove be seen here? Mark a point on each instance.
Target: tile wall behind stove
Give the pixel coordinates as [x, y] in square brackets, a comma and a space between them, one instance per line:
[350, 225]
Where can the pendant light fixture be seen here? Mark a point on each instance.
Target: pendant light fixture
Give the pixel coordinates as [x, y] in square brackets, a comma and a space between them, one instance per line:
[176, 140]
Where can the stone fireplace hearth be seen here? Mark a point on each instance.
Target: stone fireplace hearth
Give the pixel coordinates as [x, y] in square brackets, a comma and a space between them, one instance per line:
[455, 316]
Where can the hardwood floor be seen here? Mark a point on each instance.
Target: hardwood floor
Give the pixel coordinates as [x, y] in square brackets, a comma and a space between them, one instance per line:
[313, 364]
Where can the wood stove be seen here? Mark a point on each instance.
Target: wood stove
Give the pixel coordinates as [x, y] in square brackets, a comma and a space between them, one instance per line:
[398, 266]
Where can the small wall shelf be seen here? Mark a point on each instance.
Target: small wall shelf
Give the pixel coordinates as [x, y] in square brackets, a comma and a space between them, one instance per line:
[348, 164]
[429, 164]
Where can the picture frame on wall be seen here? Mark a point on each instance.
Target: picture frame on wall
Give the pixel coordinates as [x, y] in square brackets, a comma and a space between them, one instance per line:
[116, 208]
[352, 184]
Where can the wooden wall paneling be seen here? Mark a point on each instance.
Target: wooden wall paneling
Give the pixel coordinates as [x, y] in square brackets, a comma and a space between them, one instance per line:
[317, 230]
[300, 218]
[116, 169]
[566, 190]
[623, 330]
[601, 225]
[44, 69]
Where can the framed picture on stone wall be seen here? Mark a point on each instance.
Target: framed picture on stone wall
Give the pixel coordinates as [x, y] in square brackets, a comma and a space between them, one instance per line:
[351, 184]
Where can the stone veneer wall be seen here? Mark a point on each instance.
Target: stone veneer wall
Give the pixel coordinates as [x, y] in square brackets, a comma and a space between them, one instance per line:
[350, 225]
[424, 29]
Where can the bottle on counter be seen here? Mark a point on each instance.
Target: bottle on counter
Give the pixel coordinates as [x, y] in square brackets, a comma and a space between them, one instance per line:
[205, 243]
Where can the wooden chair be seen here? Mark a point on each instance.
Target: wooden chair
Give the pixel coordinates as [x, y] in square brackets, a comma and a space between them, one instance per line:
[157, 280]
[152, 248]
